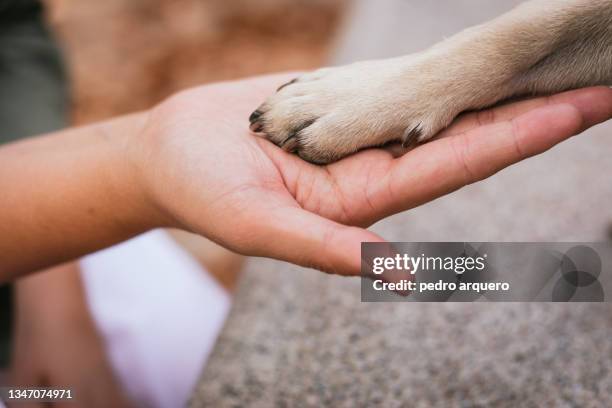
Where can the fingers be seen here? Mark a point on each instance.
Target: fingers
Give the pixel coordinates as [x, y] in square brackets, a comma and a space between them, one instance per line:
[445, 165]
[300, 237]
[594, 103]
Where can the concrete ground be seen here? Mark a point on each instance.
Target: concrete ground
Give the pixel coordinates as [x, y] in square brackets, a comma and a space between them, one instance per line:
[300, 338]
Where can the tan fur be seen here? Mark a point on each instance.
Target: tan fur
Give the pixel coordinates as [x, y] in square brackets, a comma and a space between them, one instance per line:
[540, 47]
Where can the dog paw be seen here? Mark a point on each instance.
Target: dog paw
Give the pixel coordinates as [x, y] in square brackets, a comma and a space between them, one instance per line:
[334, 112]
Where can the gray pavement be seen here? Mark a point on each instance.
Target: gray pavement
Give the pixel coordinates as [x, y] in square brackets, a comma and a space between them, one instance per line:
[300, 338]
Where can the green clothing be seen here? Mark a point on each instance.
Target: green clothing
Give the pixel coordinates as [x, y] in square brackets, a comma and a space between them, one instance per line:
[33, 94]
[33, 98]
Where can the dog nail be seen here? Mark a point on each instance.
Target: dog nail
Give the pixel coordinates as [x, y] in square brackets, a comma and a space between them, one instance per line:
[256, 127]
[290, 144]
[411, 136]
[255, 115]
[293, 81]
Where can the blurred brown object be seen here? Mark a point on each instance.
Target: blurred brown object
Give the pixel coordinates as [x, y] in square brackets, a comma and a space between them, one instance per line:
[127, 55]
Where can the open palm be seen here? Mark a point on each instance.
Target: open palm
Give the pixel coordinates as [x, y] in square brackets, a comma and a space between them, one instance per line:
[245, 193]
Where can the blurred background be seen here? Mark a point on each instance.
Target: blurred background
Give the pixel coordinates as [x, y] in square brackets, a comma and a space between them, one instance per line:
[127, 55]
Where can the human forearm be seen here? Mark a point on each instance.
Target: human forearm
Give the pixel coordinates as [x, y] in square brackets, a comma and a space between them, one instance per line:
[67, 194]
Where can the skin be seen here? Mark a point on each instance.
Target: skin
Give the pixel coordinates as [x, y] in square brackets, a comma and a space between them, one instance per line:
[191, 163]
[56, 342]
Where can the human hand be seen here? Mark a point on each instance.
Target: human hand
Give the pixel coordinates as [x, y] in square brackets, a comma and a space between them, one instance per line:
[57, 344]
[203, 169]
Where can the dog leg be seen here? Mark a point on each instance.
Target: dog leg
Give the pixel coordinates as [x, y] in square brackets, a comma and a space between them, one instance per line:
[542, 46]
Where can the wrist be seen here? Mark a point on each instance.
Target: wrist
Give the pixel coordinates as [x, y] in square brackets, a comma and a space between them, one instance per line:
[128, 142]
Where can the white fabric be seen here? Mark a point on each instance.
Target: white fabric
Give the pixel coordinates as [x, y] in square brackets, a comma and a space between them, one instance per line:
[159, 313]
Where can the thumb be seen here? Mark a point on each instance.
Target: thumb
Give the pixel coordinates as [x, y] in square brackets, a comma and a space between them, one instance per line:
[303, 238]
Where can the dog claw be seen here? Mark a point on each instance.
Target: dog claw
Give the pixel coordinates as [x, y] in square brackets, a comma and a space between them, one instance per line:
[256, 127]
[290, 144]
[411, 136]
[255, 115]
[293, 81]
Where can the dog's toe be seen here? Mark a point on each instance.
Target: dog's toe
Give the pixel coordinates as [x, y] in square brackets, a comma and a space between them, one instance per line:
[331, 113]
